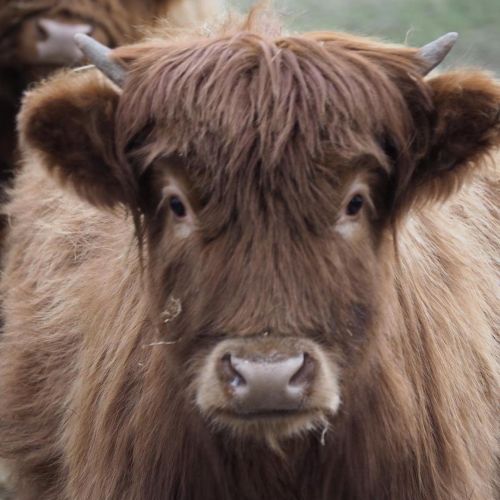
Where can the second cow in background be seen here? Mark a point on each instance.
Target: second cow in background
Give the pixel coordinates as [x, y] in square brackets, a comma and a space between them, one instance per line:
[36, 38]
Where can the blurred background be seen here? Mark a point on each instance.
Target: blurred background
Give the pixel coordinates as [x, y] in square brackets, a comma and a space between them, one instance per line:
[414, 21]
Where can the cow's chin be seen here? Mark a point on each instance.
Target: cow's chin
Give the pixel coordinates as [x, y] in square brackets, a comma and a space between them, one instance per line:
[273, 428]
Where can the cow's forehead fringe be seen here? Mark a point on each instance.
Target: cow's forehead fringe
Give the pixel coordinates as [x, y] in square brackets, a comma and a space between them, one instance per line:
[248, 100]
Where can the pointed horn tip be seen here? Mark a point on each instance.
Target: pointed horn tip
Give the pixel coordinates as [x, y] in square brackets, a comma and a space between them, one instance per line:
[441, 44]
[81, 39]
[434, 52]
[449, 39]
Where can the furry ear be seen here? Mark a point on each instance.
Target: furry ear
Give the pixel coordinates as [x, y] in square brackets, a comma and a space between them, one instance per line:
[465, 131]
[69, 122]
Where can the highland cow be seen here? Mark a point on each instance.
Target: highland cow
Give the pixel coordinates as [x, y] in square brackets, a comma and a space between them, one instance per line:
[36, 38]
[261, 269]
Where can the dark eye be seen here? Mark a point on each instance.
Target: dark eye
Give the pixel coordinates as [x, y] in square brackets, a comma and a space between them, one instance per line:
[355, 205]
[177, 207]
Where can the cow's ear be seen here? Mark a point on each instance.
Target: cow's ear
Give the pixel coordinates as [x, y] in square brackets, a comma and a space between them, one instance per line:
[69, 123]
[465, 131]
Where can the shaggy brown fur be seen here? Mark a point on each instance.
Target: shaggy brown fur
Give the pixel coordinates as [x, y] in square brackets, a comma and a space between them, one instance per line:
[266, 135]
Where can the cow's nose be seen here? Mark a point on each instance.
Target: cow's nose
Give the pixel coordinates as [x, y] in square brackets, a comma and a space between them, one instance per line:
[267, 385]
[55, 42]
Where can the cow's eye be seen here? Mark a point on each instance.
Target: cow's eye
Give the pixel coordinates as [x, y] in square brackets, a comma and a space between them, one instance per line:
[177, 207]
[355, 205]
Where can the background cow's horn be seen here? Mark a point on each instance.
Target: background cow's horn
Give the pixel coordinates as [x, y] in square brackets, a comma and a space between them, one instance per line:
[433, 53]
[98, 55]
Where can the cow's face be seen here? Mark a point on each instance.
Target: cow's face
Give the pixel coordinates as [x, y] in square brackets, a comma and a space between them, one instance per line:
[40, 35]
[37, 37]
[270, 289]
[44, 41]
[266, 178]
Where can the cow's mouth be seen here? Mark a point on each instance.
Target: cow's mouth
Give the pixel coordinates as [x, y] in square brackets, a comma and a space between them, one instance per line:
[274, 426]
[265, 415]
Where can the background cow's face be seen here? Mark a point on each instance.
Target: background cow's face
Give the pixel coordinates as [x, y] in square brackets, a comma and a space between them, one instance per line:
[266, 177]
[45, 42]
[36, 36]
[39, 38]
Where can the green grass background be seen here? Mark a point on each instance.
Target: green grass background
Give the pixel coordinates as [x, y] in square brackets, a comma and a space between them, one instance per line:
[416, 21]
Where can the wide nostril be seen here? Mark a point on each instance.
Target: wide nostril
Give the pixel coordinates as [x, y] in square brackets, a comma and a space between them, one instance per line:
[305, 374]
[229, 374]
[56, 44]
[41, 31]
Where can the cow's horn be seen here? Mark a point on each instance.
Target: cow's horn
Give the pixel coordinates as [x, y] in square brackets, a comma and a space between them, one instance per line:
[433, 53]
[98, 55]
